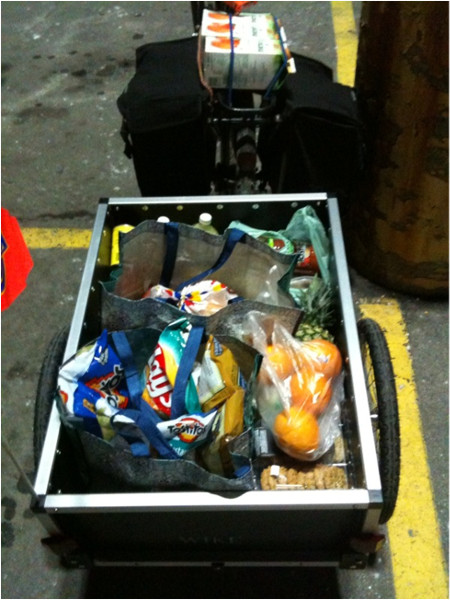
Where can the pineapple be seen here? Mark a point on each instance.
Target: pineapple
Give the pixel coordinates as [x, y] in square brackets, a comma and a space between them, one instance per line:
[317, 302]
[311, 331]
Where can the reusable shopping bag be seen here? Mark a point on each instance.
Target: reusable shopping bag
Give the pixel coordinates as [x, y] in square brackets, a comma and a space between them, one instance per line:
[176, 255]
[112, 396]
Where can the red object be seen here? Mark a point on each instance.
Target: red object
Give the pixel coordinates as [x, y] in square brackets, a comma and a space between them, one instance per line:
[307, 260]
[16, 260]
[238, 6]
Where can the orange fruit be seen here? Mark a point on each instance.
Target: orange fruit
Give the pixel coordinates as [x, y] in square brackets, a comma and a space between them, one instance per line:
[325, 355]
[280, 360]
[297, 431]
[310, 390]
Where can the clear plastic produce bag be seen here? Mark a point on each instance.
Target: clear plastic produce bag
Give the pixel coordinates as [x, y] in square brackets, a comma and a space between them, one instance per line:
[299, 388]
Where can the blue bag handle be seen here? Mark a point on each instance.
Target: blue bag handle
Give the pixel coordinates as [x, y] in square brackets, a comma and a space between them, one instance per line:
[234, 236]
[171, 231]
[142, 414]
[178, 405]
[132, 375]
[146, 419]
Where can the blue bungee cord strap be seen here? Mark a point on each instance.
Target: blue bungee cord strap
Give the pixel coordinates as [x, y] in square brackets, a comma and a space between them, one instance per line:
[283, 66]
[231, 67]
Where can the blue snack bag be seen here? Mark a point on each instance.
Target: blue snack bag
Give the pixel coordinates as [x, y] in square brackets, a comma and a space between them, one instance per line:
[93, 387]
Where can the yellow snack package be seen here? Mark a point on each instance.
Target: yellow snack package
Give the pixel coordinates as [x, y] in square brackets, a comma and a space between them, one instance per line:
[221, 385]
[219, 375]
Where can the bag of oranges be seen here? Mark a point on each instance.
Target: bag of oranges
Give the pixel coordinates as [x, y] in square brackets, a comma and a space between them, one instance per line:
[299, 388]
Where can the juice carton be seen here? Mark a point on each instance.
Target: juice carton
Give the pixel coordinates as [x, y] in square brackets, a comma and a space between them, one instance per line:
[244, 26]
[257, 50]
[256, 61]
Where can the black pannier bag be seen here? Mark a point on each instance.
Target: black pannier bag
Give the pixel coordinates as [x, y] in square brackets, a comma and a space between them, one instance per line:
[318, 143]
[164, 109]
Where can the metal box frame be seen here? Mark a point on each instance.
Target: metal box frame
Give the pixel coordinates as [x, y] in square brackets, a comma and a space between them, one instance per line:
[292, 527]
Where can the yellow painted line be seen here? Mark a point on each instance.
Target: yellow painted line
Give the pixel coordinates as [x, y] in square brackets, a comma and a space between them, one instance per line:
[346, 37]
[418, 564]
[42, 237]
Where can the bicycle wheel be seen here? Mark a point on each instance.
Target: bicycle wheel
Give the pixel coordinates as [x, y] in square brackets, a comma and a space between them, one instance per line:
[380, 382]
[46, 389]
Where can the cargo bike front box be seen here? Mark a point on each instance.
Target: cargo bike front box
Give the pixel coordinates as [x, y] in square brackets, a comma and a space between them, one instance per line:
[283, 526]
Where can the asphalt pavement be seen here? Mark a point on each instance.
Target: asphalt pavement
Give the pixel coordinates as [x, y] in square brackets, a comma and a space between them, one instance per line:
[63, 66]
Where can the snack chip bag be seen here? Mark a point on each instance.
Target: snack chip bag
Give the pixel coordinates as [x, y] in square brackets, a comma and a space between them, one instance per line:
[188, 431]
[221, 386]
[93, 387]
[204, 298]
[219, 375]
[214, 398]
[161, 292]
[162, 368]
[228, 423]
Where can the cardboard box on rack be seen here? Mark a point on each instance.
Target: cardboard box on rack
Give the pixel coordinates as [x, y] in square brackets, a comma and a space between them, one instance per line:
[244, 26]
[255, 62]
[257, 56]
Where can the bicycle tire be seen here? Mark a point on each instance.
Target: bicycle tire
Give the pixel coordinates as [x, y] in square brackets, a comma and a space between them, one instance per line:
[380, 382]
[46, 389]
